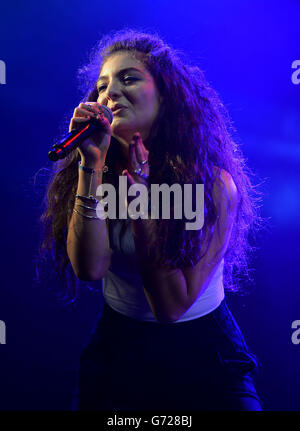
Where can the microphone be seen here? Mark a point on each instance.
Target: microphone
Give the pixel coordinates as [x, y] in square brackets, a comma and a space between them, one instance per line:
[71, 141]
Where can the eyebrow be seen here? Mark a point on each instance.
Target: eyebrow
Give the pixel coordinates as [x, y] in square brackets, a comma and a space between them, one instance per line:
[122, 71]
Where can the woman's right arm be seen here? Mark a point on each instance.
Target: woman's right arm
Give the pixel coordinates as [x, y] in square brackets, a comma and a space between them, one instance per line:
[87, 239]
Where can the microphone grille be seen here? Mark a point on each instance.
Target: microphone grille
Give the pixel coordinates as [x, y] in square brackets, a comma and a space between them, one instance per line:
[108, 113]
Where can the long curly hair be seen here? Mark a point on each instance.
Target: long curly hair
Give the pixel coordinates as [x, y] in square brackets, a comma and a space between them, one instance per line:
[191, 135]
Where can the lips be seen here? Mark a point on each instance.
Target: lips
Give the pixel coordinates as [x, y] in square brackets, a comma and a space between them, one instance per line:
[118, 106]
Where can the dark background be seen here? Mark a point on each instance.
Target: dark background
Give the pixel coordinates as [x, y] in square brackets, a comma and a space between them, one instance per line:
[246, 50]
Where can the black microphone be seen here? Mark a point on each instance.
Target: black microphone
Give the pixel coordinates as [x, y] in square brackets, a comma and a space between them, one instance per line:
[71, 141]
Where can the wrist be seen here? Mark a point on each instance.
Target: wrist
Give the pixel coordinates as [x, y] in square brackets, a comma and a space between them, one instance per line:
[95, 170]
[92, 164]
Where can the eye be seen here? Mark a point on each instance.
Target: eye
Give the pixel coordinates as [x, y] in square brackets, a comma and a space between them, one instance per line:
[127, 79]
[100, 88]
[130, 78]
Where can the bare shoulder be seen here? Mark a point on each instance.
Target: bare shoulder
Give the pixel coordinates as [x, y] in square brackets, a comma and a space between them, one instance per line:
[224, 189]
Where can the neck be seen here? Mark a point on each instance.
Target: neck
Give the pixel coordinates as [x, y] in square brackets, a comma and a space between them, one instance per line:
[121, 154]
[124, 148]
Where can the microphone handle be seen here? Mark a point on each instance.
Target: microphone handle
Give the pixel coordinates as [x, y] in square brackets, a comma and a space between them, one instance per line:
[71, 141]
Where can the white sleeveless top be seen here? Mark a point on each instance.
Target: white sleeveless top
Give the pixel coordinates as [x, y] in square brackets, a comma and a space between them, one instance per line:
[123, 287]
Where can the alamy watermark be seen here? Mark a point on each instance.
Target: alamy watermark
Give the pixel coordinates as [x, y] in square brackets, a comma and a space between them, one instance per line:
[296, 75]
[2, 332]
[2, 72]
[139, 206]
[296, 334]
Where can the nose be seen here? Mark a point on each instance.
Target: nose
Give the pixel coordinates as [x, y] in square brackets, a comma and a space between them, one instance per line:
[113, 90]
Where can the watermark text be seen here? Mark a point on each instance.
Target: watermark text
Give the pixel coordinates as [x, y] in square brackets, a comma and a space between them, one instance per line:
[2, 332]
[2, 72]
[296, 334]
[296, 75]
[138, 206]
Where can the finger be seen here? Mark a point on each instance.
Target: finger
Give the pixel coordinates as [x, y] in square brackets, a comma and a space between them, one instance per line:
[138, 147]
[141, 151]
[76, 121]
[132, 156]
[79, 112]
[80, 119]
[82, 112]
[141, 154]
[98, 111]
[92, 107]
[88, 105]
[96, 116]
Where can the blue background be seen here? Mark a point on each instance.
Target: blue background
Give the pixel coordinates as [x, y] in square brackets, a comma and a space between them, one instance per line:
[246, 50]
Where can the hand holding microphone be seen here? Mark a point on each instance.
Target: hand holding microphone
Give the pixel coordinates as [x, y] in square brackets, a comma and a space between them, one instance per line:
[89, 130]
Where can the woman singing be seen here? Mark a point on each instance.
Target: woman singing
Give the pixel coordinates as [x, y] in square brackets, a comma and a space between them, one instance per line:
[165, 338]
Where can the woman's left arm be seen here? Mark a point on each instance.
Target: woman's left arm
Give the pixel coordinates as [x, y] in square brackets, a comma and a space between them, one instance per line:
[171, 293]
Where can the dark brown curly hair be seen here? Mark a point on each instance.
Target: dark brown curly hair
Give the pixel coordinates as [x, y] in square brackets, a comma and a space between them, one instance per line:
[191, 135]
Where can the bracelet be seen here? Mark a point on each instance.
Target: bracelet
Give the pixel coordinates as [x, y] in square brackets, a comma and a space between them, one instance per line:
[84, 215]
[91, 170]
[84, 206]
[88, 198]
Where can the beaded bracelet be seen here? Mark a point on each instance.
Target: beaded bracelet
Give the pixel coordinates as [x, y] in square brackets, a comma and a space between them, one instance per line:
[90, 171]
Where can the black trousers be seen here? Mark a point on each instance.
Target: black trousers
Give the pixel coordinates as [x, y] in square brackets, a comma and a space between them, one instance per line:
[201, 364]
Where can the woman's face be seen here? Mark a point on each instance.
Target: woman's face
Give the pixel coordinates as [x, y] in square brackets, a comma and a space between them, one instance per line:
[124, 80]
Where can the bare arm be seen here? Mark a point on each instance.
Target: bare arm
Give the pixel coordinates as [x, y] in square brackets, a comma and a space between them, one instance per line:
[171, 293]
[87, 239]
